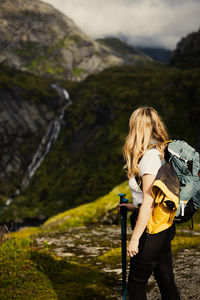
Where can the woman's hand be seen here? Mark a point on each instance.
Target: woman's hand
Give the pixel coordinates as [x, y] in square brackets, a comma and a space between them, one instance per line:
[132, 248]
[129, 206]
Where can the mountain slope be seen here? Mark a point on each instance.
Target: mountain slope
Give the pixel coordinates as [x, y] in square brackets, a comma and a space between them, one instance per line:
[28, 104]
[37, 38]
[187, 53]
[127, 51]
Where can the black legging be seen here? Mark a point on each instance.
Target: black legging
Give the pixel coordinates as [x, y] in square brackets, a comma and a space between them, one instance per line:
[154, 256]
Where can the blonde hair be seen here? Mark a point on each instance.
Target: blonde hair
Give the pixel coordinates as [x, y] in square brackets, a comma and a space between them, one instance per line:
[145, 126]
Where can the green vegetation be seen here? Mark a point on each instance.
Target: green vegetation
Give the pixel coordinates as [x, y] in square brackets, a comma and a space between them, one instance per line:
[42, 59]
[29, 50]
[33, 88]
[112, 256]
[186, 241]
[87, 162]
[78, 71]
[44, 62]
[76, 38]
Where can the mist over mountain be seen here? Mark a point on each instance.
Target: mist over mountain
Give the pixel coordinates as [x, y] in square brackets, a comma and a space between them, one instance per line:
[148, 23]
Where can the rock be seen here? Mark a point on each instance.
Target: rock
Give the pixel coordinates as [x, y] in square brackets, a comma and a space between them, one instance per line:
[111, 217]
[36, 37]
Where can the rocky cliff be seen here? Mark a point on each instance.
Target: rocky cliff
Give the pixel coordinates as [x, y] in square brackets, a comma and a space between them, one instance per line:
[27, 105]
[37, 38]
[187, 53]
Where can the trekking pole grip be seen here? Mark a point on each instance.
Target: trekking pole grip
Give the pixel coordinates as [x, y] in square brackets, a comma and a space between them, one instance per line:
[123, 209]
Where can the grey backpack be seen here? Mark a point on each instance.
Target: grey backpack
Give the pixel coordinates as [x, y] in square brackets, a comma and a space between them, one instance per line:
[186, 163]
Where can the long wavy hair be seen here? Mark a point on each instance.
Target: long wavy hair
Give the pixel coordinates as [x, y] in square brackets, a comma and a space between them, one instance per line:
[146, 130]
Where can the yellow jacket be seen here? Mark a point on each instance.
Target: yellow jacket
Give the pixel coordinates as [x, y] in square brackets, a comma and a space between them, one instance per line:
[165, 191]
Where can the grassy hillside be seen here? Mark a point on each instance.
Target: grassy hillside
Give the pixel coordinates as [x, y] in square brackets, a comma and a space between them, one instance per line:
[89, 213]
[87, 161]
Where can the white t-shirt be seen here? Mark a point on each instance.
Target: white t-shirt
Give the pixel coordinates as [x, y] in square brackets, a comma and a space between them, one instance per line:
[149, 164]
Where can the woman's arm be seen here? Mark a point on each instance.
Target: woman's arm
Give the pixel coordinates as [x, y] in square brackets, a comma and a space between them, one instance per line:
[144, 214]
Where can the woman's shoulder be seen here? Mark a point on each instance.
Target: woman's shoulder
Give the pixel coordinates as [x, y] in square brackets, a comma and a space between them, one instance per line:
[153, 152]
[150, 162]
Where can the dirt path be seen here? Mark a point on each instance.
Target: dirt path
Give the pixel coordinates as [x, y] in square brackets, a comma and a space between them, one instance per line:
[86, 244]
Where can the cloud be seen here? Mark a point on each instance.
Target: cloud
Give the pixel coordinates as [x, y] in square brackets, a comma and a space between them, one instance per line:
[147, 22]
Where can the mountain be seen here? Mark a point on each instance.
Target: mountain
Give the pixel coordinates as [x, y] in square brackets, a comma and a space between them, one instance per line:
[187, 52]
[124, 44]
[119, 47]
[161, 55]
[37, 38]
[86, 161]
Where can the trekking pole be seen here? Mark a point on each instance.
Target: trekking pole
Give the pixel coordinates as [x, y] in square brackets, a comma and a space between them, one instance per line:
[123, 213]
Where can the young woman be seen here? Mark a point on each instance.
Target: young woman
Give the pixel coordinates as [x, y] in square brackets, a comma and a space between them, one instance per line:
[144, 153]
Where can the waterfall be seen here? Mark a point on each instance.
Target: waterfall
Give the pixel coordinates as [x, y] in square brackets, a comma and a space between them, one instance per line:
[47, 142]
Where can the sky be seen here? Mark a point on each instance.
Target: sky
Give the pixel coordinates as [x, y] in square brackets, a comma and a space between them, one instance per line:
[143, 22]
